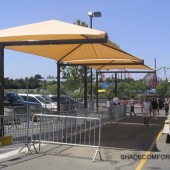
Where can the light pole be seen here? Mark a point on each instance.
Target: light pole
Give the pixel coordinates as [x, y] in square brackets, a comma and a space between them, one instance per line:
[91, 15]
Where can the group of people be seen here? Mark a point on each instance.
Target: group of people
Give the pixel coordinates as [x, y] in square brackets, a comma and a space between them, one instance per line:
[150, 108]
[112, 102]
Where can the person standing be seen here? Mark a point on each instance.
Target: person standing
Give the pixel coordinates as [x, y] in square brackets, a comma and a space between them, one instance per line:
[154, 104]
[146, 108]
[166, 107]
[124, 102]
[110, 108]
[132, 106]
[158, 105]
[116, 100]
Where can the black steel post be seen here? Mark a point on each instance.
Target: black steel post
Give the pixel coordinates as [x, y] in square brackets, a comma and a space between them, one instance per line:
[91, 70]
[115, 84]
[58, 86]
[91, 17]
[1, 89]
[91, 84]
[97, 96]
[85, 86]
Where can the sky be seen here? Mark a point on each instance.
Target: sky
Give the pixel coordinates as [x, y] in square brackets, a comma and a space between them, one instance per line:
[139, 27]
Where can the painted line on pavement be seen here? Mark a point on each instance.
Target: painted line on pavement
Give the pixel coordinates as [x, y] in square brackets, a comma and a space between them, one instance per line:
[143, 161]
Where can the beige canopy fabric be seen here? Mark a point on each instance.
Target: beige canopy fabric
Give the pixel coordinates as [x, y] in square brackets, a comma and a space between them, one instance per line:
[73, 53]
[105, 61]
[49, 30]
[78, 53]
[123, 67]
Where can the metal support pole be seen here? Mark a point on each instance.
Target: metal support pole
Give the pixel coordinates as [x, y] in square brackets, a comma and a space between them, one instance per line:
[58, 86]
[1, 89]
[91, 84]
[115, 84]
[97, 97]
[91, 17]
[91, 70]
[85, 86]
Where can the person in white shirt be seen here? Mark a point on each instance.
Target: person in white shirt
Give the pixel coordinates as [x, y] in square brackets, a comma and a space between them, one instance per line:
[146, 108]
[110, 108]
[116, 100]
[132, 106]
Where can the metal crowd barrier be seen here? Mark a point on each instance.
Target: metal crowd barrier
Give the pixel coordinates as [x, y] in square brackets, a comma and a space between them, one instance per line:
[67, 130]
[80, 127]
[114, 113]
[15, 126]
[90, 112]
[15, 122]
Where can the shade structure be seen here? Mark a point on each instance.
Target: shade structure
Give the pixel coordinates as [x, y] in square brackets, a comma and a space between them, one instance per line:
[61, 41]
[126, 66]
[48, 30]
[64, 42]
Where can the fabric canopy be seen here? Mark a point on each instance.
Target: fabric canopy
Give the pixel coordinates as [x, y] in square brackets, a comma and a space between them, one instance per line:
[123, 67]
[49, 30]
[108, 53]
[79, 53]
[105, 61]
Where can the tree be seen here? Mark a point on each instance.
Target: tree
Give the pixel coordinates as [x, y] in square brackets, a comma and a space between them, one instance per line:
[81, 23]
[38, 77]
[163, 89]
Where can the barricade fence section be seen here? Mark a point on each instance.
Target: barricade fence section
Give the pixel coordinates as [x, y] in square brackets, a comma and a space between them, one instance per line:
[81, 127]
[90, 112]
[15, 126]
[114, 113]
[68, 130]
[16, 121]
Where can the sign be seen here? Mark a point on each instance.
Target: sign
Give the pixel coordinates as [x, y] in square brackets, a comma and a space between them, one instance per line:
[6, 140]
[101, 90]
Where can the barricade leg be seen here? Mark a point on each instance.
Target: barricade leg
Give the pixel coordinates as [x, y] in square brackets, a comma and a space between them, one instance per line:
[28, 146]
[97, 151]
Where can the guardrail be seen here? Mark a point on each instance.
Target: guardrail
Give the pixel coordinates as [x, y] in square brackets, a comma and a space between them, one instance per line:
[114, 113]
[68, 130]
[15, 126]
[16, 120]
[80, 127]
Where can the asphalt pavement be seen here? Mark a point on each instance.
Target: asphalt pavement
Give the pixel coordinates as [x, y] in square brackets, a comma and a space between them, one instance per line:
[123, 145]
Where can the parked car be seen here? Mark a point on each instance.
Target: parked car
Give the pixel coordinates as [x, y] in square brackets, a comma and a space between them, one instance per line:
[53, 103]
[16, 103]
[68, 102]
[46, 105]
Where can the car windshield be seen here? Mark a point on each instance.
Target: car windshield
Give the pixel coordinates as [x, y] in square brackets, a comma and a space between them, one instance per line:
[42, 100]
[14, 97]
[47, 98]
[54, 98]
[63, 99]
[67, 99]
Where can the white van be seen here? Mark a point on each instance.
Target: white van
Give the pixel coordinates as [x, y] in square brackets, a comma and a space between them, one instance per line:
[46, 105]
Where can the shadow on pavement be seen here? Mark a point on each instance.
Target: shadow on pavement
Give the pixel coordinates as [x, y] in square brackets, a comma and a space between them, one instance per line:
[131, 133]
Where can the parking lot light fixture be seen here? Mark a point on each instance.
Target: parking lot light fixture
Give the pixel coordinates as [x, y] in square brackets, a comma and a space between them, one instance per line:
[91, 15]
